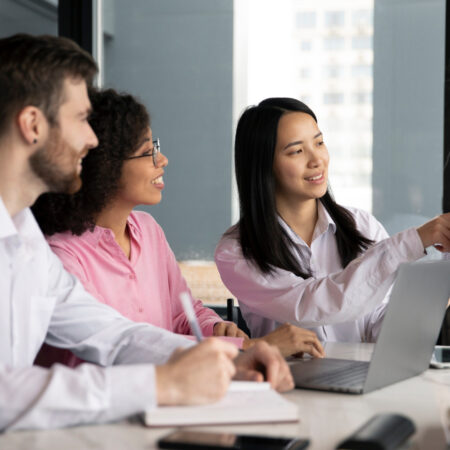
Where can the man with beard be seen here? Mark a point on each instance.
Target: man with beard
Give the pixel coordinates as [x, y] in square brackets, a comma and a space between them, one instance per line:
[44, 135]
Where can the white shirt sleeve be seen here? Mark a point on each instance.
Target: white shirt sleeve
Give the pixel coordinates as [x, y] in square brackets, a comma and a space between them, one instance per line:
[98, 333]
[41, 301]
[342, 296]
[33, 397]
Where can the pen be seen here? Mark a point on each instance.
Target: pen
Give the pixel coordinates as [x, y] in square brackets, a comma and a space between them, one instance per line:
[190, 314]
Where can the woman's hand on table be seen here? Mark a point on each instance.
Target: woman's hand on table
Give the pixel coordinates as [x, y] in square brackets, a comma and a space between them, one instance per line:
[291, 340]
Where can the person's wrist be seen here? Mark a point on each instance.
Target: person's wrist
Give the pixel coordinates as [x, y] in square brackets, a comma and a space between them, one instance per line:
[422, 235]
[249, 343]
[166, 390]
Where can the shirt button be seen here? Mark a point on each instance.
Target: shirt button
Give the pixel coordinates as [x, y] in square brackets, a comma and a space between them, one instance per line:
[131, 276]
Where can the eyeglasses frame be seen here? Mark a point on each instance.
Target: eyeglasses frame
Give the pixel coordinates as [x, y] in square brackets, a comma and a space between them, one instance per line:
[154, 154]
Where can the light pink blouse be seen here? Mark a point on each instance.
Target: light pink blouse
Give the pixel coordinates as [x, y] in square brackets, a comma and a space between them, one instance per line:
[144, 288]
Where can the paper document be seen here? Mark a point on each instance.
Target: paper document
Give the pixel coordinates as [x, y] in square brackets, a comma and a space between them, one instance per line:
[245, 402]
[239, 386]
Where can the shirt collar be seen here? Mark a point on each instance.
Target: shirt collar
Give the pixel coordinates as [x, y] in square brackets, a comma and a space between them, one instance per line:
[94, 236]
[23, 224]
[324, 223]
[7, 226]
[133, 226]
[21, 231]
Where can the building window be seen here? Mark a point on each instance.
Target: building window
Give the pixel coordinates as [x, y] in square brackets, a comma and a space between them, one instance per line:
[362, 70]
[362, 42]
[333, 98]
[305, 99]
[305, 72]
[306, 19]
[362, 98]
[362, 18]
[306, 46]
[334, 18]
[333, 71]
[334, 43]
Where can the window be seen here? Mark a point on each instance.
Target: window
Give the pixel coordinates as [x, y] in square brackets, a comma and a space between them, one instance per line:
[362, 42]
[387, 180]
[362, 18]
[333, 71]
[334, 43]
[362, 70]
[362, 98]
[305, 99]
[32, 17]
[305, 19]
[333, 98]
[182, 79]
[334, 18]
[305, 72]
[306, 46]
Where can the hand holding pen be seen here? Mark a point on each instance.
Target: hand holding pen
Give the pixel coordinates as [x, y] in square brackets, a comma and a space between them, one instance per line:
[191, 317]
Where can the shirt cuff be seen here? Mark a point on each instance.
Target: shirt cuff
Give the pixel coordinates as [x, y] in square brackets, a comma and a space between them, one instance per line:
[132, 389]
[208, 326]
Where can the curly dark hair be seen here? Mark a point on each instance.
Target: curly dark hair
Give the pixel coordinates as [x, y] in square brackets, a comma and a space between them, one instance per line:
[120, 123]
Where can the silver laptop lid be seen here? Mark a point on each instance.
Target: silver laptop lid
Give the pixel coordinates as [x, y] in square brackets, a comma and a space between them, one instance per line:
[411, 324]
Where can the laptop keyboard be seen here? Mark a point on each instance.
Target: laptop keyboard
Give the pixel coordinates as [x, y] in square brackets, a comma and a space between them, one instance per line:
[349, 374]
[354, 375]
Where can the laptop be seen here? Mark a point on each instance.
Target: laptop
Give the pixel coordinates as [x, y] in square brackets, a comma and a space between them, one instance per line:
[406, 342]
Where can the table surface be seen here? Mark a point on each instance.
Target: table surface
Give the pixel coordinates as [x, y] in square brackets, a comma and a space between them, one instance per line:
[325, 418]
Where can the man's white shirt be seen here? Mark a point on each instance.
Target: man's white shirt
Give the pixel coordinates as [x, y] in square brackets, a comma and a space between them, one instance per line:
[40, 302]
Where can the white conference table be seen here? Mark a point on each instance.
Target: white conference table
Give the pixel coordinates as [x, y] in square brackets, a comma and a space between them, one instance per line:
[325, 418]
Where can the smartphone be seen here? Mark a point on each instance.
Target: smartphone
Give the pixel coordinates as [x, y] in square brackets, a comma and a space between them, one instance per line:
[191, 440]
[442, 353]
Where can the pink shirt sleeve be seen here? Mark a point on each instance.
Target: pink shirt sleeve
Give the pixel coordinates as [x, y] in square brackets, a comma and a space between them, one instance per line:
[207, 318]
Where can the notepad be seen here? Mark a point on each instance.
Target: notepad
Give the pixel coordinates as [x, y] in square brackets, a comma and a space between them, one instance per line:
[245, 402]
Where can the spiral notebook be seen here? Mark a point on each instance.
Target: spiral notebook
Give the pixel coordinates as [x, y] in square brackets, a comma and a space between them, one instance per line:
[245, 402]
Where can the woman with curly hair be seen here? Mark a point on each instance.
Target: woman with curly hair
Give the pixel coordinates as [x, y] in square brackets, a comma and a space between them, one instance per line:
[122, 256]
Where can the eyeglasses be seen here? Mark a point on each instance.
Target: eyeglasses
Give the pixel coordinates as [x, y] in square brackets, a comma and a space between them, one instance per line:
[154, 153]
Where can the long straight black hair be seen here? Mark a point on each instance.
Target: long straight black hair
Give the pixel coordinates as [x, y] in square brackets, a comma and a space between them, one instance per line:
[260, 234]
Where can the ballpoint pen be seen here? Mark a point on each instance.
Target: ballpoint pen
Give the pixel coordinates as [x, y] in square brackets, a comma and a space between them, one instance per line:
[190, 314]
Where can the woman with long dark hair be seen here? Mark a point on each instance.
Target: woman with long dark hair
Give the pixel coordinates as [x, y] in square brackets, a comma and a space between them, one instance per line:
[296, 255]
[120, 255]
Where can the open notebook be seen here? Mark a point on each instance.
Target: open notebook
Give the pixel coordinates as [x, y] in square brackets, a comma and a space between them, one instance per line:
[245, 402]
